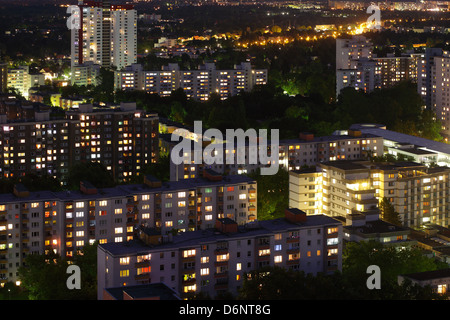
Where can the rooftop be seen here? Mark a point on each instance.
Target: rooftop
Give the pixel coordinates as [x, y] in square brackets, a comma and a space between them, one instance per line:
[347, 164]
[429, 275]
[145, 291]
[124, 190]
[401, 137]
[377, 227]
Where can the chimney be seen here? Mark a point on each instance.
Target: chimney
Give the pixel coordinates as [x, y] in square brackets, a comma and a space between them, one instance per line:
[212, 175]
[306, 136]
[21, 191]
[87, 188]
[295, 215]
[226, 225]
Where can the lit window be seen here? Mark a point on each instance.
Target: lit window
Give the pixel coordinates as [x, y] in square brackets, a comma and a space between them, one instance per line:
[204, 271]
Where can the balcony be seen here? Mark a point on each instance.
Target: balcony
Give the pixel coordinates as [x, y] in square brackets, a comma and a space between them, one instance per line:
[292, 239]
[292, 250]
[222, 250]
[142, 264]
[142, 277]
[218, 275]
[265, 257]
[189, 281]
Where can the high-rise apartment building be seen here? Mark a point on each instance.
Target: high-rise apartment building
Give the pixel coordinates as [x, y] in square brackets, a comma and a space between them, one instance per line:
[349, 50]
[22, 80]
[359, 68]
[198, 84]
[65, 221]
[293, 154]
[440, 90]
[215, 261]
[419, 194]
[107, 35]
[395, 69]
[122, 138]
[425, 74]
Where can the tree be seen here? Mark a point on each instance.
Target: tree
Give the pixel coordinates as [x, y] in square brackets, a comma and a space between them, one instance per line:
[388, 212]
[177, 112]
[273, 194]
[392, 261]
[44, 276]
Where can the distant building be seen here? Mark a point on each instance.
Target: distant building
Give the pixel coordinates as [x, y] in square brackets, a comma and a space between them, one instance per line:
[22, 80]
[198, 84]
[215, 261]
[369, 227]
[122, 138]
[357, 67]
[422, 150]
[153, 291]
[425, 74]
[63, 222]
[85, 74]
[396, 69]
[108, 34]
[294, 154]
[438, 280]
[3, 77]
[419, 194]
[440, 84]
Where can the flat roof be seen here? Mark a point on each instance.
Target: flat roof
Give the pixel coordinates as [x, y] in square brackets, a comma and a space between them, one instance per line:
[429, 275]
[195, 238]
[123, 190]
[329, 138]
[376, 226]
[152, 290]
[346, 164]
[416, 151]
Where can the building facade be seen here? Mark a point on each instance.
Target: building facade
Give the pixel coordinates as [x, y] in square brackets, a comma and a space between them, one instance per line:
[215, 261]
[22, 80]
[293, 154]
[122, 138]
[418, 193]
[3, 76]
[85, 74]
[198, 84]
[64, 222]
[107, 35]
[357, 67]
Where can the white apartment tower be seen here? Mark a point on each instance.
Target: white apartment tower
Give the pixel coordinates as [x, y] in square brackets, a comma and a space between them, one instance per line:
[348, 50]
[107, 35]
[440, 99]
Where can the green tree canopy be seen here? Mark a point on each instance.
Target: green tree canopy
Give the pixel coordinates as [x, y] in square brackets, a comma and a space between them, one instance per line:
[44, 276]
[94, 172]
